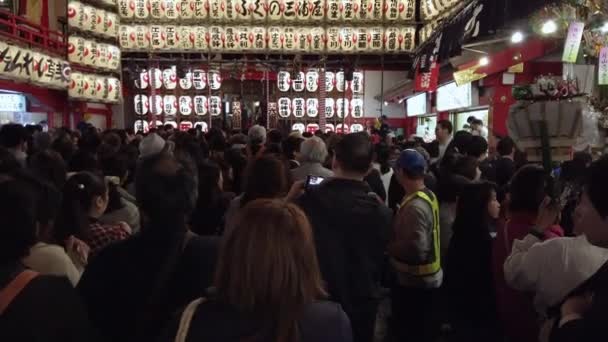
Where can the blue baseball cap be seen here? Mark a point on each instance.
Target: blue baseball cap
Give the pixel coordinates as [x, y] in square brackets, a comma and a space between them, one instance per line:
[412, 161]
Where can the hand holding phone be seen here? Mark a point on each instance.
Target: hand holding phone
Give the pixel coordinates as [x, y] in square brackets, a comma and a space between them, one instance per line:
[313, 181]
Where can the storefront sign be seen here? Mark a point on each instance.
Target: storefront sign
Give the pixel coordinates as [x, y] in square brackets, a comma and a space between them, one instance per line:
[12, 103]
[573, 42]
[236, 115]
[468, 75]
[22, 64]
[427, 81]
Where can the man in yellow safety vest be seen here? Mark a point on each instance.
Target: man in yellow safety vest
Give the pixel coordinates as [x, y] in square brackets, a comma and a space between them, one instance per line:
[415, 254]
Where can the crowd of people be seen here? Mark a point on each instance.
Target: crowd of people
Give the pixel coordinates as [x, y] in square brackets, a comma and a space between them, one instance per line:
[261, 236]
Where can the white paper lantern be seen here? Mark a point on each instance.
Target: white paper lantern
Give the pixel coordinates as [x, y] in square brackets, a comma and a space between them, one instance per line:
[407, 10]
[156, 78]
[341, 84]
[126, 37]
[299, 127]
[142, 8]
[406, 38]
[172, 37]
[143, 81]
[332, 37]
[102, 61]
[283, 81]
[186, 38]
[329, 128]
[126, 8]
[245, 39]
[348, 9]
[111, 24]
[216, 33]
[90, 91]
[186, 9]
[76, 15]
[215, 80]
[342, 129]
[333, 10]
[156, 104]
[230, 38]
[115, 90]
[91, 49]
[317, 39]
[215, 105]
[101, 85]
[76, 49]
[312, 81]
[312, 107]
[156, 124]
[170, 78]
[342, 108]
[230, 13]
[259, 38]
[317, 10]
[347, 39]
[90, 19]
[170, 105]
[355, 128]
[200, 105]
[185, 126]
[357, 83]
[330, 81]
[171, 11]
[77, 85]
[203, 125]
[185, 82]
[375, 36]
[158, 38]
[141, 126]
[185, 105]
[299, 109]
[289, 10]
[377, 10]
[199, 79]
[257, 9]
[289, 39]
[303, 39]
[298, 83]
[141, 104]
[303, 10]
[312, 128]
[142, 37]
[275, 10]
[329, 108]
[114, 56]
[284, 107]
[356, 108]
[242, 10]
[172, 123]
[157, 9]
[201, 38]
[217, 9]
[200, 9]
[39, 65]
[391, 43]
[275, 38]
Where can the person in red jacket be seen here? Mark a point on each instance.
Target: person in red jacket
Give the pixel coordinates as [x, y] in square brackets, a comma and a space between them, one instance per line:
[516, 310]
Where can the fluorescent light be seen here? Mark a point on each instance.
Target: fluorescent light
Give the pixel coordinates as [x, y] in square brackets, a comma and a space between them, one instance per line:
[549, 27]
[517, 37]
[483, 61]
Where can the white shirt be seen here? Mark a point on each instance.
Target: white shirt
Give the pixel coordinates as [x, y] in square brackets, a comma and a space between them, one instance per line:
[552, 269]
[50, 259]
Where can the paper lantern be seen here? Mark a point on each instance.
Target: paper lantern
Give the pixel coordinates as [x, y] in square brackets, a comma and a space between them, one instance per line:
[298, 105]
[355, 128]
[257, 9]
[391, 44]
[141, 126]
[111, 24]
[407, 10]
[76, 49]
[185, 82]
[90, 91]
[329, 108]
[429, 9]
[172, 37]
[200, 105]
[126, 8]
[157, 9]
[259, 38]
[375, 37]
[391, 10]
[303, 39]
[317, 39]
[284, 107]
[275, 38]
[203, 125]
[342, 108]
[185, 126]
[141, 104]
[303, 10]
[142, 9]
[333, 10]
[361, 42]
[156, 78]
[217, 9]
[200, 9]
[289, 10]
[98, 23]
[186, 39]
[170, 105]
[312, 107]
[170, 78]
[142, 37]
[91, 55]
[215, 105]
[283, 81]
[76, 15]
[101, 88]
[143, 81]
[342, 129]
[114, 56]
[312, 128]
[299, 127]
[171, 123]
[298, 83]
[200, 38]
[245, 41]
[275, 10]
[289, 39]
[341, 84]
[156, 124]
[357, 83]
[332, 37]
[312, 81]
[406, 38]
[366, 8]
[242, 9]
[171, 11]
[347, 39]
[215, 80]
[377, 10]
[356, 108]
[102, 61]
[186, 9]
[329, 128]
[216, 33]
[77, 84]
[90, 19]
[348, 9]
[185, 105]
[231, 13]
[330, 80]
[199, 79]
[126, 37]
[39, 65]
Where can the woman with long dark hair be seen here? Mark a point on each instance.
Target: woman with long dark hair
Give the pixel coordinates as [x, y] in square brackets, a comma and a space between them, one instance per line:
[267, 286]
[469, 278]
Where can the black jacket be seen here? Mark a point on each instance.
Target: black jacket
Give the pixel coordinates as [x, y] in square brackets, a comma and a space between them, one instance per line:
[351, 230]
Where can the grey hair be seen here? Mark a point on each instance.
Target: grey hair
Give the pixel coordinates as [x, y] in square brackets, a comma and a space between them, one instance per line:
[313, 150]
[257, 134]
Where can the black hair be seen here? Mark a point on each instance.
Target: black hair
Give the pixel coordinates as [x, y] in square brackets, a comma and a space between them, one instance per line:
[477, 122]
[505, 146]
[274, 149]
[446, 124]
[459, 143]
[432, 148]
[78, 194]
[472, 217]
[466, 166]
[307, 135]
[18, 228]
[476, 147]
[84, 160]
[470, 119]
[274, 137]
[355, 153]
[166, 193]
[596, 185]
[8, 162]
[115, 165]
[90, 140]
[12, 135]
[383, 156]
[528, 189]
[582, 157]
[48, 201]
[64, 146]
[49, 165]
[266, 177]
[291, 145]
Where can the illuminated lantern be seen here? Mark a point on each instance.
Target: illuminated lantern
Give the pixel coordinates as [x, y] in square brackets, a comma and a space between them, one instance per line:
[170, 104]
[341, 84]
[245, 41]
[332, 38]
[406, 38]
[109, 26]
[298, 107]
[90, 86]
[141, 126]
[312, 107]
[156, 78]
[366, 10]
[377, 10]
[303, 39]
[185, 105]
[289, 39]
[390, 38]
[199, 79]
[91, 52]
[186, 38]
[76, 15]
[157, 9]
[289, 10]
[391, 10]
[317, 39]
[170, 78]
[186, 9]
[298, 82]
[342, 108]
[102, 61]
[172, 37]
[215, 80]
[217, 9]
[200, 105]
[126, 37]
[329, 128]
[257, 9]
[39, 65]
[101, 85]
[172, 123]
[275, 10]
[77, 85]
[317, 10]
[342, 129]
[215, 105]
[141, 104]
[299, 127]
[357, 83]
[126, 8]
[230, 38]
[355, 128]
[357, 108]
[113, 57]
[283, 81]
[141, 9]
[231, 13]
[184, 126]
[186, 81]
[312, 128]
[330, 80]
[259, 38]
[143, 80]
[407, 10]
[241, 9]
[115, 90]
[312, 81]
[375, 36]
[284, 107]
[156, 104]
[200, 38]
[200, 9]
[171, 11]
[348, 9]
[275, 38]
[90, 19]
[333, 10]
[142, 38]
[76, 49]
[329, 108]
[347, 39]
[216, 35]
[203, 125]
